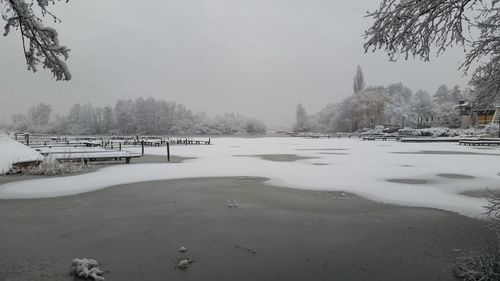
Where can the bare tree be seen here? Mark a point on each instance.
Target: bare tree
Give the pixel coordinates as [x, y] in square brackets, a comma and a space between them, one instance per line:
[40, 43]
[359, 81]
[415, 27]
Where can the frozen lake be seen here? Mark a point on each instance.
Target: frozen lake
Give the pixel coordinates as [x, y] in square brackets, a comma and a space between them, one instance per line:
[412, 174]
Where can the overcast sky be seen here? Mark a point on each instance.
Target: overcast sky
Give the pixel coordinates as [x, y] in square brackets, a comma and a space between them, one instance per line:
[259, 58]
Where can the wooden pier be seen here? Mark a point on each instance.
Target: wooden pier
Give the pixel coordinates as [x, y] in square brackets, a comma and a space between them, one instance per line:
[101, 148]
[430, 139]
[480, 142]
[373, 137]
[86, 154]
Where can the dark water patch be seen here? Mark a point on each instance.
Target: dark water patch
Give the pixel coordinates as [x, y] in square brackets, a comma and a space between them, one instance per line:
[408, 181]
[154, 218]
[159, 159]
[278, 157]
[320, 164]
[444, 152]
[406, 166]
[334, 153]
[455, 176]
[481, 193]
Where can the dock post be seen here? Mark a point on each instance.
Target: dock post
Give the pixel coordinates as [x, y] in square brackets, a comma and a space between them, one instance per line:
[120, 146]
[208, 141]
[27, 136]
[168, 152]
[142, 144]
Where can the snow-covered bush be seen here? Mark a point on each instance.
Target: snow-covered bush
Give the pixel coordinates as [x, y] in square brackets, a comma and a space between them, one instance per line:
[430, 132]
[472, 265]
[491, 130]
[48, 167]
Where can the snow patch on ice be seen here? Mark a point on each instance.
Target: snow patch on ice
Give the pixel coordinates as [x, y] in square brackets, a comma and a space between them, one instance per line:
[364, 171]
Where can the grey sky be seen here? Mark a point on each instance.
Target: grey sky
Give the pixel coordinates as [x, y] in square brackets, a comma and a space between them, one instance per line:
[256, 57]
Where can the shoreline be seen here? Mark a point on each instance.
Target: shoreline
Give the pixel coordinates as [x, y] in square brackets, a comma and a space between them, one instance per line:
[94, 167]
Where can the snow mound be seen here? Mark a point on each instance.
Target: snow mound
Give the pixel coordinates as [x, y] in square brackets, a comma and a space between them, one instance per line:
[86, 268]
[12, 152]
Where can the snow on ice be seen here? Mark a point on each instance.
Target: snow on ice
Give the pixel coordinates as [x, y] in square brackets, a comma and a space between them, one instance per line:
[362, 167]
[12, 152]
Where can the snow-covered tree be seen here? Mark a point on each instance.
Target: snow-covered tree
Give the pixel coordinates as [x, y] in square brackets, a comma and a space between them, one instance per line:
[441, 95]
[416, 27]
[398, 110]
[40, 43]
[19, 122]
[326, 121]
[446, 111]
[124, 116]
[358, 84]
[39, 115]
[301, 122]
[422, 106]
[368, 107]
[254, 126]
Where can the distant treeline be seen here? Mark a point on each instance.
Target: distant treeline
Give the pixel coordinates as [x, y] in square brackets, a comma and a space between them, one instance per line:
[129, 117]
[394, 106]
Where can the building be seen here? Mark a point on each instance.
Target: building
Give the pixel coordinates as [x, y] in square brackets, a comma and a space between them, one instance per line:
[477, 118]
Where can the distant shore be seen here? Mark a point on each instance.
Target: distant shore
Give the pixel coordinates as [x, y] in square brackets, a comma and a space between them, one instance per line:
[134, 231]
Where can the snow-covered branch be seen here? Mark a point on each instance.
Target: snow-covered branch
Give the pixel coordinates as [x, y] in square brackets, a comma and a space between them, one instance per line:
[412, 27]
[416, 27]
[40, 43]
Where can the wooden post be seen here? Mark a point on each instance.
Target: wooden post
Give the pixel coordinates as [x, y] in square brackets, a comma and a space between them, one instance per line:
[120, 145]
[168, 152]
[142, 144]
[27, 137]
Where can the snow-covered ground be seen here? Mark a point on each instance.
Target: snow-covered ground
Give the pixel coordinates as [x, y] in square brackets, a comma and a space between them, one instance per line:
[352, 165]
[12, 152]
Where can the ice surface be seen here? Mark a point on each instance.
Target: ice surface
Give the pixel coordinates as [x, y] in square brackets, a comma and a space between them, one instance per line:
[12, 152]
[363, 170]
